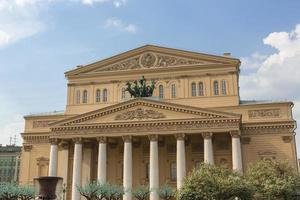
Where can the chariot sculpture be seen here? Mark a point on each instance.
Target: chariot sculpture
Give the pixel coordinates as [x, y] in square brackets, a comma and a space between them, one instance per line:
[139, 88]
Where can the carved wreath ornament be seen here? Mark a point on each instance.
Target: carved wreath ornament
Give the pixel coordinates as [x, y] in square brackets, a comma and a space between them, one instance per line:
[140, 113]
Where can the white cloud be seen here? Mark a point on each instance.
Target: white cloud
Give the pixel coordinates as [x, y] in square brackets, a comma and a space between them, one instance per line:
[120, 25]
[20, 19]
[277, 76]
[116, 3]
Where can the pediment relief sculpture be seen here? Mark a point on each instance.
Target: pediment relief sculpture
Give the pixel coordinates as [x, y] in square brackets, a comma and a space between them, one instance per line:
[139, 114]
[151, 60]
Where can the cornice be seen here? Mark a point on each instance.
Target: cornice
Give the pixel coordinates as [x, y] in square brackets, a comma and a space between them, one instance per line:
[148, 103]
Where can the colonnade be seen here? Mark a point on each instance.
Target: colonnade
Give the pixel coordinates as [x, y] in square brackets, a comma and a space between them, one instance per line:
[128, 162]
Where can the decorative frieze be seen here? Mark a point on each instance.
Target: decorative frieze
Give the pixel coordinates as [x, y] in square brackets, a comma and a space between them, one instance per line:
[264, 113]
[140, 113]
[36, 138]
[41, 124]
[150, 60]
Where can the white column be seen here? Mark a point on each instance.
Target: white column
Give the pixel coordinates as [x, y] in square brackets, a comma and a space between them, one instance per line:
[180, 160]
[77, 168]
[237, 163]
[53, 158]
[154, 168]
[101, 176]
[208, 148]
[65, 162]
[127, 170]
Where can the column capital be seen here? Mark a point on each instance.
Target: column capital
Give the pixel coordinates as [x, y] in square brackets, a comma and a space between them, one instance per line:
[53, 141]
[153, 137]
[64, 145]
[235, 133]
[27, 147]
[127, 138]
[207, 135]
[180, 136]
[77, 140]
[102, 139]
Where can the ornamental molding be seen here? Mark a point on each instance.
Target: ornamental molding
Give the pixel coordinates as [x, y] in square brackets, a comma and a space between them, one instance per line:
[151, 60]
[153, 137]
[180, 136]
[264, 113]
[41, 124]
[207, 135]
[102, 140]
[36, 138]
[27, 147]
[235, 133]
[139, 114]
[269, 128]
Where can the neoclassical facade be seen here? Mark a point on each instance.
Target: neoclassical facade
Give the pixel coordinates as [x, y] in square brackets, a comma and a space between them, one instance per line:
[194, 116]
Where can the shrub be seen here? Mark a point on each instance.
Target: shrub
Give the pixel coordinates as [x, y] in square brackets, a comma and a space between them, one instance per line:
[141, 192]
[215, 183]
[166, 192]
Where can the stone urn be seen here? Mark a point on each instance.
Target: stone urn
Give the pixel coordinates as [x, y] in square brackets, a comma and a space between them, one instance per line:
[48, 187]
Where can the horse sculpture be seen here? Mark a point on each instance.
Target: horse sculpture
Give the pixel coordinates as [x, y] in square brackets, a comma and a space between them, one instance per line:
[140, 88]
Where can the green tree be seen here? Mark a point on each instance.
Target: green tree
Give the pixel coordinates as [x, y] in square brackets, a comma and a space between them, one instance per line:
[9, 191]
[113, 192]
[141, 192]
[166, 192]
[26, 193]
[215, 183]
[89, 190]
[274, 180]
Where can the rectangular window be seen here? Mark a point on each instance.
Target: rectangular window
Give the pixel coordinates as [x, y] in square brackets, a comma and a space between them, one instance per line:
[173, 171]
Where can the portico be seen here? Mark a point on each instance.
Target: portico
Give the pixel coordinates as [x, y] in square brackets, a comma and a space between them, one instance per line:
[144, 123]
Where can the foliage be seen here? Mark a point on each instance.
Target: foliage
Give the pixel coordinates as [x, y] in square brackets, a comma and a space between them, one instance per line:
[140, 88]
[97, 191]
[274, 180]
[26, 193]
[141, 192]
[89, 191]
[113, 192]
[9, 191]
[215, 183]
[166, 192]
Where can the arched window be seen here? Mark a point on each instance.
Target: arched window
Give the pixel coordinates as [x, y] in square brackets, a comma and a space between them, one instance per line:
[201, 89]
[216, 88]
[84, 96]
[173, 91]
[123, 93]
[193, 89]
[104, 96]
[173, 173]
[78, 97]
[223, 87]
[98, 95]
[161, 91]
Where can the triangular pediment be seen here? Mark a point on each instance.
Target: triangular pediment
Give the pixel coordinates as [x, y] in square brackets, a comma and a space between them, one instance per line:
[151, 57]
[143, 109]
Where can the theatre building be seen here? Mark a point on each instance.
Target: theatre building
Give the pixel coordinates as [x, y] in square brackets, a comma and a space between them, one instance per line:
[195, 115]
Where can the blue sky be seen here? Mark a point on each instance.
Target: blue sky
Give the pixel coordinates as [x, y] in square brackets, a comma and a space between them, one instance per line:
[41, 39]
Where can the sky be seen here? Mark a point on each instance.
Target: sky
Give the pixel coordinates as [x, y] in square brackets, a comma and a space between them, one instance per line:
[41, 39]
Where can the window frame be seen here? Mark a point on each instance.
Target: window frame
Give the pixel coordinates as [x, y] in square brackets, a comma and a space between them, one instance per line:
[77, 97]
[85, 96]
[193, 89]
[105, 95]
[224, 87]
[201, 88]
[161, 91]
[173, 91]
[173, 171]
[216, 87]
[98, 95]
